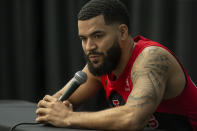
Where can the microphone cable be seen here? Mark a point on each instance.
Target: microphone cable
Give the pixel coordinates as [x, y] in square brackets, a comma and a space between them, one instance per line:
[24, 123]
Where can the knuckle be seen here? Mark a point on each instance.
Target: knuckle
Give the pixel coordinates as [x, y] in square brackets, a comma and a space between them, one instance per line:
[53, 104]
[56, 100]
[39, 103]
[37, 119]
[37, 111]
[45, 97]
[47, 117]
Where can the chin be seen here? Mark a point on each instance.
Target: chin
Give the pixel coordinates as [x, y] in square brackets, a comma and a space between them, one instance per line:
[96, 65]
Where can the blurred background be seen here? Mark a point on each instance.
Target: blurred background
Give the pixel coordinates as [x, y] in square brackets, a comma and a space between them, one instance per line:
[40, 49]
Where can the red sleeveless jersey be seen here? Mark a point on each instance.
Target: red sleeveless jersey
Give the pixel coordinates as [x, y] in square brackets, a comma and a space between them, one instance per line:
[171, 113]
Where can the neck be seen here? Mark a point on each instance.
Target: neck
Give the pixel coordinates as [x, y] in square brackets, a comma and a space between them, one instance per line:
[126, 51]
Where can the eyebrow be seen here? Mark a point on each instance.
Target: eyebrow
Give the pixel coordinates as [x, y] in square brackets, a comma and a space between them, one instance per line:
[93, 33]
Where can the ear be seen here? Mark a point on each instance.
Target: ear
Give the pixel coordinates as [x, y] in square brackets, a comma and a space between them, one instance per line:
[123, 31]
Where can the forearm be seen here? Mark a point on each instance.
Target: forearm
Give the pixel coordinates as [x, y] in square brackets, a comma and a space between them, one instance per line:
[119, 118]
[61, 91]
[57, 94]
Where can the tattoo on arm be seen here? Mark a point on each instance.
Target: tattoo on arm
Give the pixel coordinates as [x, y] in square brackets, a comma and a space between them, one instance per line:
[152, 75]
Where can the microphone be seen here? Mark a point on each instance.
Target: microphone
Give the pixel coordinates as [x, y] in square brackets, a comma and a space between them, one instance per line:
[79, 78]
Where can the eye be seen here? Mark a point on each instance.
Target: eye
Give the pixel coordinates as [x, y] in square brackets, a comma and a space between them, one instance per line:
[82, 38]
[98, 36]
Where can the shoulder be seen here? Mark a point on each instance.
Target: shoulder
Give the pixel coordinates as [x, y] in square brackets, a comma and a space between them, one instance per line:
[153, 54]
[153, 61]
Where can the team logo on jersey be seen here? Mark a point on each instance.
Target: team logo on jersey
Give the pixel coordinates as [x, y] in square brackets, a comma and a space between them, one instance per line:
[116, 102]
[153, 123]
[115, 99]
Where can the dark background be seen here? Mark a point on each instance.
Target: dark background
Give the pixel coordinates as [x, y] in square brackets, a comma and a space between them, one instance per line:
[40, 49]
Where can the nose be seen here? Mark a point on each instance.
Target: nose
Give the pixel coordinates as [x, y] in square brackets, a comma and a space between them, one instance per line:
[90, 45]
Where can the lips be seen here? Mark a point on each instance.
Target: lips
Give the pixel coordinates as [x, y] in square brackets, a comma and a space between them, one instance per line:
[93, 57]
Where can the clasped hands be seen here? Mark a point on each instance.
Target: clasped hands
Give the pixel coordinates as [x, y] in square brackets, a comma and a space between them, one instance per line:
[52, 111]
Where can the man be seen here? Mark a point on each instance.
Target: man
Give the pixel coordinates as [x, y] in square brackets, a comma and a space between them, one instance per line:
[143, 79]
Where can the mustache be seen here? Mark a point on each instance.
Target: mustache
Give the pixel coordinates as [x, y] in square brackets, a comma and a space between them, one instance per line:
[94, 53]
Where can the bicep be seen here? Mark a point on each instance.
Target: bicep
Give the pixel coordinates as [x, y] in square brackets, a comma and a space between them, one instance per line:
[149, 75]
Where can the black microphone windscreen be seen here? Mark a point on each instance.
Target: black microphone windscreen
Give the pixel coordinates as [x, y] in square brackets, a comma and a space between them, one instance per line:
[80, 77]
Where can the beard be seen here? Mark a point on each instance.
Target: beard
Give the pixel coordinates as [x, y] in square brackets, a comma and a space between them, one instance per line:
[110, 61]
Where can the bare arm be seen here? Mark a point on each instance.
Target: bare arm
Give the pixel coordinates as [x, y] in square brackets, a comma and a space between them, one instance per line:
[149, 76]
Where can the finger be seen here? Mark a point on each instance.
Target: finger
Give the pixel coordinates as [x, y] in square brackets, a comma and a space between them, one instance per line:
[49, 98]
[43, 103]
[38, 105]
[42, 119]
[68, 104]
[42, 111]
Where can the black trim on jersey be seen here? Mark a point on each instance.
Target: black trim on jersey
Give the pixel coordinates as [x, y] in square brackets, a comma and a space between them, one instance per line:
[172, 122]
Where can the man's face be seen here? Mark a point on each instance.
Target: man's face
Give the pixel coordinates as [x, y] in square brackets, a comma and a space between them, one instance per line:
[100, 45]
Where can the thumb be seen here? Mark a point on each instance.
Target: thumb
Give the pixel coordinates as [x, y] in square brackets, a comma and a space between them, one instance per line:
[68, 104]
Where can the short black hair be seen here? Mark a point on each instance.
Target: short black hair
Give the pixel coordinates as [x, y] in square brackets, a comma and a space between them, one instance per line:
[114, 11]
